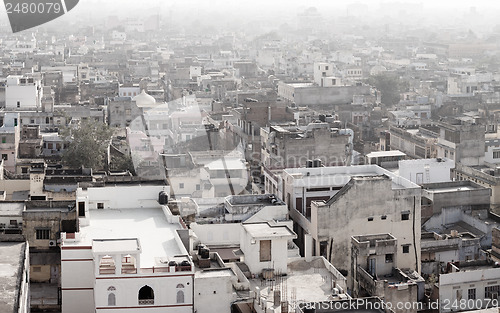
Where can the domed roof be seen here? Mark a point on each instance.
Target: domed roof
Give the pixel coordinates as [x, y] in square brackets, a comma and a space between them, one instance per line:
[144, 100]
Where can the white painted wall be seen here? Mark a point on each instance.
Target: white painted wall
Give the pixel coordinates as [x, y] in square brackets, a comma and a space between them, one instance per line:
[213, 294]
[123, 197]
[251, 251]
[217, 234]
[426, 171]
[463, 281]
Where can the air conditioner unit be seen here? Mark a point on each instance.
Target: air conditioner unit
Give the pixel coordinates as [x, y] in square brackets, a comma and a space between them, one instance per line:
[52, 243]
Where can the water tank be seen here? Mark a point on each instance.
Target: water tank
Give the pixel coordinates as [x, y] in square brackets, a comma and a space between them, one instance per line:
[309, 163]
[185, 263]
[205, 253]
[172, 263]
[317, 163]
[162, 198]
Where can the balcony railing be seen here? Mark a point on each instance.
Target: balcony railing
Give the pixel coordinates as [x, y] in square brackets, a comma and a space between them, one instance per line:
[146, 301]
[107, 270]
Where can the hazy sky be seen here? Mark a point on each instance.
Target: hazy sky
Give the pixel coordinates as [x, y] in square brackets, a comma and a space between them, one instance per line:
[213, 11]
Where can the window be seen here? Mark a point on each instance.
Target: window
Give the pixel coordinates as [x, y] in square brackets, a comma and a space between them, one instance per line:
[181, 185]
[111, 299]
[383, 217]
[406, 248]
[37, 269]
[389, 258]
[180, 293]
[496, 154]
[24, 170]
[43, 234]
[4, 139]
[81, 208]
[265, 250]
[198, 187]
[18, 104]
[491, 292]
[471, 294]
[370, 219]
[405, 216]
[146, 295]
[5, 157]
[100, 205]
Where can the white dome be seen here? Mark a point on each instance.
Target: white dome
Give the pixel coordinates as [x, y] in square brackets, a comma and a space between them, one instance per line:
[144, 100]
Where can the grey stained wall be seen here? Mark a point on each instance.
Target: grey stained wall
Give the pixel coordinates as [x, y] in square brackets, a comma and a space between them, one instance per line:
[347, 213]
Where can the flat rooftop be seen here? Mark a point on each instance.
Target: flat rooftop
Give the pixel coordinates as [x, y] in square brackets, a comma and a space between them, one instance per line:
[341, 175]
[379, 154]
[264, 230]
[11, 208]
[11, 270]
[155, 235]
[310, 280]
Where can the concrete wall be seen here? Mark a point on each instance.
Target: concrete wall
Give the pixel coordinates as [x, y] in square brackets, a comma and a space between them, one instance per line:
[251, 250]
[323, 96]
[217, 234]
[430, 170]
[460, 282]
[123, 197]
[213, 294]
[348, 213]
[127, 291]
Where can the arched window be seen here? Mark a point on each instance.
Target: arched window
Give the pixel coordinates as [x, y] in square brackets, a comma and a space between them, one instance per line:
[111, 288]
[180, 293]
[111, 299]
[146, 295]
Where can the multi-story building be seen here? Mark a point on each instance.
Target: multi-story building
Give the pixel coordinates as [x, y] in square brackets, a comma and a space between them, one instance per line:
[128, 255]
[377, 271]
[23, 92]
[472, 285]
[331, 204]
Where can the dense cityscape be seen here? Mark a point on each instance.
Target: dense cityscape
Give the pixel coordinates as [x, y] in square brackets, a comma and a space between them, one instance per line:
[323, 156]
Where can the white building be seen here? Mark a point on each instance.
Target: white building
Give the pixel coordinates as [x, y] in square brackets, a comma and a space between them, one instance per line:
[472, 286]
[128, 255]
[23, 92]
[426, 171]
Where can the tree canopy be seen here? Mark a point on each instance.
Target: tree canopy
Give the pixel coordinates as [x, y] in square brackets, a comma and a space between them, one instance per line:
[88, 144]
[389, 85]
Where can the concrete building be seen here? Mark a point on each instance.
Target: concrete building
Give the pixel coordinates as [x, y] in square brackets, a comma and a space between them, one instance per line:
[418, 143]
[464, 195]
[487, 177]
[439, 250]
[307, 94]
[376, 272]
[288, 147]
[331, 204]
[15, 295]
[128, 255]
[465, 283]
[23, 92]
[9, 145]
[11, 220]
[462, 142]
[426, 171]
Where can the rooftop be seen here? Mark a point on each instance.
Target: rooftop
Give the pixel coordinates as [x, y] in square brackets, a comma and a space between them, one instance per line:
[378, 154]
[11, 268]
[266, 230]
[11, 208]
[312, 280]
[154, 233]
[341, 175]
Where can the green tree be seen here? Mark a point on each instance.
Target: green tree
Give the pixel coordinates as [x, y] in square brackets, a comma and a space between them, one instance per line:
[88, 144]
[390, 86]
